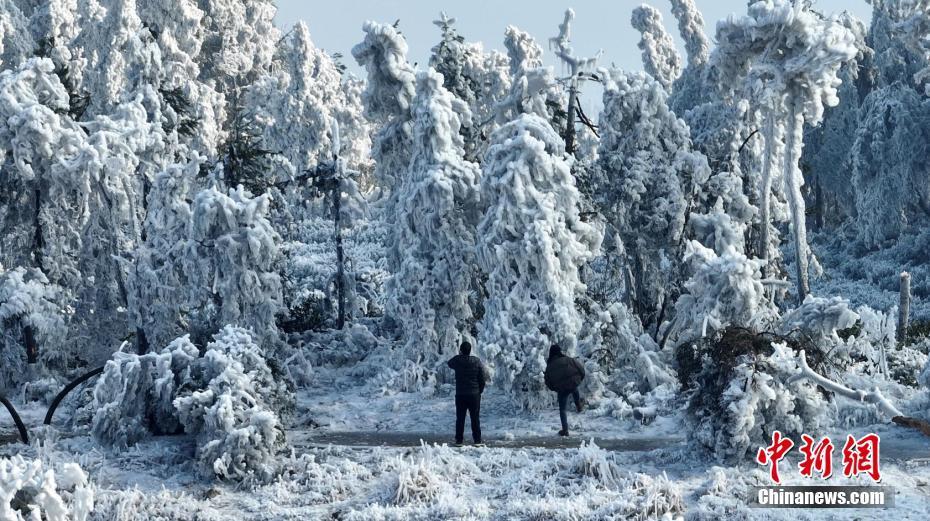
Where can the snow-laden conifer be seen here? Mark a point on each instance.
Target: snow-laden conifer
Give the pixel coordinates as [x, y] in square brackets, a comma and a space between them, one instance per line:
[532, 243]
[432, 294]
[660, 58]
[788, 57]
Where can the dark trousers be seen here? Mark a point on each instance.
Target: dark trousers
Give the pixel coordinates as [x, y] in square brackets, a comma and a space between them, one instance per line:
[563, 402]
[471, 404]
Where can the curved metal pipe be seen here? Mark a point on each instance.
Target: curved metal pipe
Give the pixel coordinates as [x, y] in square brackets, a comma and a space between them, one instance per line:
[68, 388]
[16, 419]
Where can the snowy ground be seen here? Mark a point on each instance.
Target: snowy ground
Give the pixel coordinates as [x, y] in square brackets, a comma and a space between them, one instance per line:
[157, 480]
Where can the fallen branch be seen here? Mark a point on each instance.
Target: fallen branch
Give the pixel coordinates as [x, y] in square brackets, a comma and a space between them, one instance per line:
[875, 397]
[913, 423]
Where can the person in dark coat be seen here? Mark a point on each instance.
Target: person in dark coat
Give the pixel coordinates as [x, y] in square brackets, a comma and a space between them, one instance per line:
[563, 375]
[470, 378]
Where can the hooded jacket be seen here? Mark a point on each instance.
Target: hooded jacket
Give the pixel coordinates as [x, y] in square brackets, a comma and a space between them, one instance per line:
[563, 373]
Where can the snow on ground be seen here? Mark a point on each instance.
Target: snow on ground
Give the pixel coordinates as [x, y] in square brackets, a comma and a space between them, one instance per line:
[157, 479]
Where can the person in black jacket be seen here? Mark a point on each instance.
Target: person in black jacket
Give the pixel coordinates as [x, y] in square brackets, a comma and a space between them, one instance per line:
[470, 378]
[563, 375]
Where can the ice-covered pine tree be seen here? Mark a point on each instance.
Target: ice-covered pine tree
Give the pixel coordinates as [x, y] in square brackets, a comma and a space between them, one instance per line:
[16, 43]
[157, 283]
[660, 59]
[42, 145]
[691, 88]
[231, 261]
[787, 56]
[438, 197]
[296, 104]
[532, 243]
[387, 99]
[531, 83]
[479, 79]
[889, 180]
[239, 41]
[888, 150]
[191, 109]
[644, 185]
[121, 54]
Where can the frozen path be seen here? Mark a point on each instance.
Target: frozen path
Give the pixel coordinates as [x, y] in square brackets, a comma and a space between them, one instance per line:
[315, 438]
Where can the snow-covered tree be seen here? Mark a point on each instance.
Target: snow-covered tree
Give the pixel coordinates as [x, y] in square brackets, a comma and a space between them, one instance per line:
[387, 98]
[691, 27]
[692, 88]
[831, 195]
[16, 43]
[532, 243]
[121, 55]
[295, 105]
[239, 40]
[438, 197]
[644, 185]
[42, 145]
[157, 283]
[191, 109]
[531, 83]
[790, 56]
[888, 159]
[660, 58]
[577, 68]
[479, 79]
[34, 323]
[231, 261]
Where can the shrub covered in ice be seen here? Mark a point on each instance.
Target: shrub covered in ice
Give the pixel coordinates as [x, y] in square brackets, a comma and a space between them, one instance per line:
[30, 490]
[133, 398]
[741, 390]
[234, 415]
[724, 290]
[32, 319]
[228, 398]
[818, 320]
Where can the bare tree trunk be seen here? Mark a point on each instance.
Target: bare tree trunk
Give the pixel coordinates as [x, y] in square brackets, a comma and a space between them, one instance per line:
[570, 122]
[37, 242]
[340, 256]
[32, 346]
[904, 307]
[793, 182]
[142, 341]
[766, 193]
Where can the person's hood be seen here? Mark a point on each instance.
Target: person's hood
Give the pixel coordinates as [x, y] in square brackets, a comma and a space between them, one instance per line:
[555, 352]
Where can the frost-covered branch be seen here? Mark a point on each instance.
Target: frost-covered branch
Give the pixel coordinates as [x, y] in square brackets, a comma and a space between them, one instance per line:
[874, 397]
